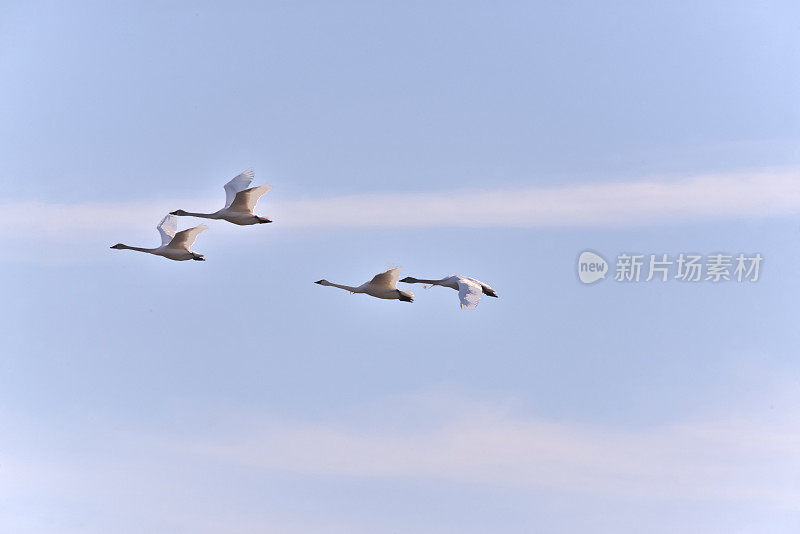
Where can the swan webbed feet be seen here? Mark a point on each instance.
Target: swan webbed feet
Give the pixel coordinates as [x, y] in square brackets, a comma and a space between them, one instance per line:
[405, 296]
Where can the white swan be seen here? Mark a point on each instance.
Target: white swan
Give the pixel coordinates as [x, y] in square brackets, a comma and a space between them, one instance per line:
[239, 202]
[382, 286]
[174, 245]
[469, 289]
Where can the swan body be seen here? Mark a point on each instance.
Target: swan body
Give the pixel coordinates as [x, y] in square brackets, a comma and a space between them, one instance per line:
[469, 289]
[382, 286]
[174, 245]
[240, 201]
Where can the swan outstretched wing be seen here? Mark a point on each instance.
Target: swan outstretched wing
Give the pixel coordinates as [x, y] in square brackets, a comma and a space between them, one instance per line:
[167, 228]
[387, 279]
[185, 238]
[239, 183]
[245, 201]
[469, 291]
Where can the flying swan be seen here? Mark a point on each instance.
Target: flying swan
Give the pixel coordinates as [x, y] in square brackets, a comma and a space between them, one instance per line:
[174, 245]
[382, 286]
[239, 202]
[469, 289]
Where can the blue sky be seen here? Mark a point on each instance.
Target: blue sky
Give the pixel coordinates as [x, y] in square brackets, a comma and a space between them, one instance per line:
[143, 395]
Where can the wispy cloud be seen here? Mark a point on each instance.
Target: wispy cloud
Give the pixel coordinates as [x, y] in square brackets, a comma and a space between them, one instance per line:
[632, 203]
[642, 202]
[751, 460]
[730, 459]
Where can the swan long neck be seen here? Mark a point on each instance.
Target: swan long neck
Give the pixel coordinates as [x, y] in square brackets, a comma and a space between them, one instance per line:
[138, 249]
[351, 289]
[412, 280]
[214, 215]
